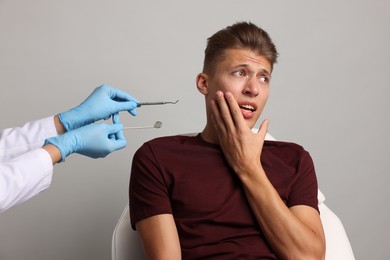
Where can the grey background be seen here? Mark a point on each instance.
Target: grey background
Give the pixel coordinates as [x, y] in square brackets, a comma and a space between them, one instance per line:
[329, 93]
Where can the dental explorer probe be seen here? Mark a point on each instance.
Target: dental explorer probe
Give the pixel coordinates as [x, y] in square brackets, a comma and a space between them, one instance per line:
[156, 103]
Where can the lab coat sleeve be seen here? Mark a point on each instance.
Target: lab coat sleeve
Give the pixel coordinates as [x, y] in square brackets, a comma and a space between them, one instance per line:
[25, 168]
[24, 177]
[18, 140]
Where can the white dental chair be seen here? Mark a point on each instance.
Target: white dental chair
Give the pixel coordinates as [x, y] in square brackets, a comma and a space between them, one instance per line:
[127, 246]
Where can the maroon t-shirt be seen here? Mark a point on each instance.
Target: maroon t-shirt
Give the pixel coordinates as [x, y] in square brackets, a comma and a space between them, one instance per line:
[190, 179]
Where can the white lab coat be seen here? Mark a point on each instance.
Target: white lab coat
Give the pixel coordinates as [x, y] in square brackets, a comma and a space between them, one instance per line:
[25, 168]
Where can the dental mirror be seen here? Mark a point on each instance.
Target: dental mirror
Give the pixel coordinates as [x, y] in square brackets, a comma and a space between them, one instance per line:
[158, 124]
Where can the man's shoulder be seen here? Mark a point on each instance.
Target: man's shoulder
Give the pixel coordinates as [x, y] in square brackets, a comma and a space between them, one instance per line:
[283, 147]
[168, 146]
[166, 140]
[282, 144]
[284, 154]
[171, 142]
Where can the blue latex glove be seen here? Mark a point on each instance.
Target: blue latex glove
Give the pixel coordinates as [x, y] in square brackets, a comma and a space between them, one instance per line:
[94, 140]
[101, 104]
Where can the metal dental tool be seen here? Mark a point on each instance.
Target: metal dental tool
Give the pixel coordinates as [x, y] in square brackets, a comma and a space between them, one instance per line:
[156, 103]
[158, 124]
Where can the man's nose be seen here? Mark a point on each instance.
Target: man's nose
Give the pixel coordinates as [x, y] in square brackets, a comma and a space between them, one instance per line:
[252, 86]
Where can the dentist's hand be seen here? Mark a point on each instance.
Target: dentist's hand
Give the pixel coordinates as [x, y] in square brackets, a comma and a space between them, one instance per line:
[101, 104]
[94, 140]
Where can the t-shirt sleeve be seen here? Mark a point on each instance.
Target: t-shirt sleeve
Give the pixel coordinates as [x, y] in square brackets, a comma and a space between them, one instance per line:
[304, 189]
[148, 194]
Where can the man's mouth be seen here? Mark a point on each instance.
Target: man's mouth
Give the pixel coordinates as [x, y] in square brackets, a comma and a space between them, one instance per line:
[248, 107]
[248, 110]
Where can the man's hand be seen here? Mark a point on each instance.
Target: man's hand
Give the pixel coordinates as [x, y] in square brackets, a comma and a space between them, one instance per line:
[242, 148]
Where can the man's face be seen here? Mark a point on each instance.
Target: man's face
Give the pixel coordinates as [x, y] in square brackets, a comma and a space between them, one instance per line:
[247, 76]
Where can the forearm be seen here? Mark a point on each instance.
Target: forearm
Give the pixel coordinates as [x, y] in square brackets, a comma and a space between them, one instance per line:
[287, 234]
[52, 150]
[58, 125]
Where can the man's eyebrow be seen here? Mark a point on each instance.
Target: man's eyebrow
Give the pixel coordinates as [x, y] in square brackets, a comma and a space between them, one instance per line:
[244, 65]
[267, 73]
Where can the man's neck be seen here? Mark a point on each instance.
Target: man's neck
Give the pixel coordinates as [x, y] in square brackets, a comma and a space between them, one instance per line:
[209, 135]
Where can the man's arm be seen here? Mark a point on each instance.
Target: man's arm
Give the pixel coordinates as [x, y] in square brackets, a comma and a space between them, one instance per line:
[293, 233]
[159, 237]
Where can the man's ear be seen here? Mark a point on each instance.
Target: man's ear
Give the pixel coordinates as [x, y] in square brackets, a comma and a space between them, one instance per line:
[201, 83]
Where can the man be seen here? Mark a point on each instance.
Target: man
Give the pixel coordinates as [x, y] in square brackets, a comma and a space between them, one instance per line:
[226, 193]
[28, 153]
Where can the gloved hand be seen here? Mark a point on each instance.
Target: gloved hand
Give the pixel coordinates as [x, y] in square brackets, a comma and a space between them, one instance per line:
[101, 104]
[94, 140]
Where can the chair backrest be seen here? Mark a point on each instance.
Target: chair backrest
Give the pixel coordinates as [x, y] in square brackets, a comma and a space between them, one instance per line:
[127, 246]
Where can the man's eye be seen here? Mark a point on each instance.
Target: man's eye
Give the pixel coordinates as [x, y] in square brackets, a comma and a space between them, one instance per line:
[239, 73]
[264, 79]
